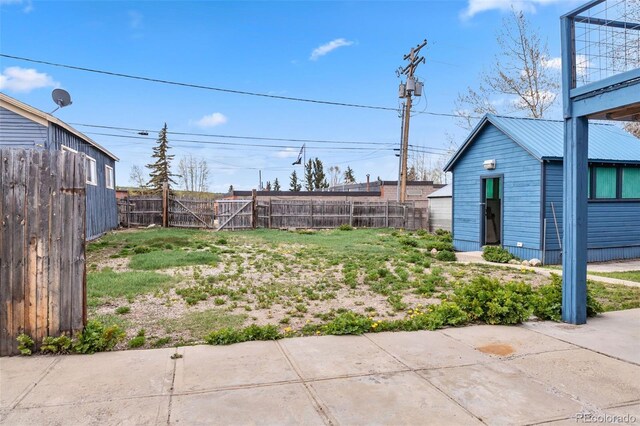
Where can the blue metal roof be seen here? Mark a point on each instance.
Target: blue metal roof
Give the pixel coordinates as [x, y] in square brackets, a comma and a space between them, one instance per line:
[544, 139]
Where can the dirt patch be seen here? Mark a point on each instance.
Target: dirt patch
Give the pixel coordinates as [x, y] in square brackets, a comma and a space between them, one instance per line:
[499, 349]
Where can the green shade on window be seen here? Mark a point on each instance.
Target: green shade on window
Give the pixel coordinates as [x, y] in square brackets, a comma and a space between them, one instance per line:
[489, 189]
[631, 182]
[606, 182]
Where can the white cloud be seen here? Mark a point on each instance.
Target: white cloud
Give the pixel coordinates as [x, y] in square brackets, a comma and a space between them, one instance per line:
[135, 20]
[17, 79]
[328, 47]
[582, 64]
[28, 4]
[477, 6]
[212, 120]
[552, 63]
[288, 153]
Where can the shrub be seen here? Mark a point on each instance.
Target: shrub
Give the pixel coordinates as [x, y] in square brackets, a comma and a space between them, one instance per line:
[496, 254]
[485, 299]
[348, 323]
[25, 344]
[446, 256]
[227, 335]
[138, 341]
[97, 338]
[258, 332]
[224, 336]
[410, 242]
[345, 227]
[447, 313]
[123, 310]
[161, 342]
[547, 301]
[56, 345]
[395, 300]
[439, 245]
[444, 235]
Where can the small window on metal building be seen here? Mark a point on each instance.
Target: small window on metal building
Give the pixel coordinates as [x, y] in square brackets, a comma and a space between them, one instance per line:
[631, 182]
[108, 177]
[606, 182]
[90, 166]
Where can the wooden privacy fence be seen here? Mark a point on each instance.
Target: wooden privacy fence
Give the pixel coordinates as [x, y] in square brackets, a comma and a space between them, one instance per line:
[253, 213]
[332, 214]
[42, 243]
[181, 212]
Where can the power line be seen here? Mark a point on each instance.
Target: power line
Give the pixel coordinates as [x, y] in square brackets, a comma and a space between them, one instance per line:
[217, 89]
[138, 130]
[236, 136]
[195, 86]
[230, 145]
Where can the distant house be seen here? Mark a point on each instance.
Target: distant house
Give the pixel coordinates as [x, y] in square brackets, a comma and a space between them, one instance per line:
[507, 189]
[440, 209]
[417, 191]
[23, 126]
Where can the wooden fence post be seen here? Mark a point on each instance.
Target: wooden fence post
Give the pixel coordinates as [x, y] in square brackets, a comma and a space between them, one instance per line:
[351, 214]
[311, 212]
[269, 210]
[386, 214]
[165, 204]
[254, 208]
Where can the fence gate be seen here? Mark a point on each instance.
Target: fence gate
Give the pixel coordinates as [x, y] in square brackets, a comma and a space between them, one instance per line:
[235, 214]
[42, 245]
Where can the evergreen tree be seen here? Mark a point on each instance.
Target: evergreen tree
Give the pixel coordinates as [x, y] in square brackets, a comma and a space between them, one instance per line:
[308, 176]
[160, 170]
[276, 185]
[230, 189]
[268, 187]
[319, 178]
[348, 175]
[295, 186]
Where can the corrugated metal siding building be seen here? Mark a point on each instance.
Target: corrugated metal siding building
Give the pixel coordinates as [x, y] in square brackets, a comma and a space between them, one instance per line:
[23, 126]
[440, 209]
[518, 204]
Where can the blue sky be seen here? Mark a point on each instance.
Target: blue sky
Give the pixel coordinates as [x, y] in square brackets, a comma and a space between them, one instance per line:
[265, 47]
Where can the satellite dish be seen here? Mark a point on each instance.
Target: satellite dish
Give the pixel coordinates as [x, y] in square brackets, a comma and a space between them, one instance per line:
[61, 97]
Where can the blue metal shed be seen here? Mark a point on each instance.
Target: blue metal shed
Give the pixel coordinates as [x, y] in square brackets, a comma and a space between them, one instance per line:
[23, 126]
[508, 183]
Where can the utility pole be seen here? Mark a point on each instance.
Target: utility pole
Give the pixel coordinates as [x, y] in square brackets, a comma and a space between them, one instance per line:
[408, 89]
[399, 155]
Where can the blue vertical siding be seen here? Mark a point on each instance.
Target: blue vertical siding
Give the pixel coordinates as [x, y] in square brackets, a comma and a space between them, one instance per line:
[102, 213]
[17, 131]
[613, 227]
[521, 193]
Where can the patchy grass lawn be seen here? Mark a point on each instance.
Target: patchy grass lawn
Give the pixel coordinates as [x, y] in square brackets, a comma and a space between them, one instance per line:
[175, 286]
[625, 275]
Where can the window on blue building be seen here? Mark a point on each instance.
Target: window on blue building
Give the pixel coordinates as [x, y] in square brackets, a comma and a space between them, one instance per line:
[606, 182]
[631, 182]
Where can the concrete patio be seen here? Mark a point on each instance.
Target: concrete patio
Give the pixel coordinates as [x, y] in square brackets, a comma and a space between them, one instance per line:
[532, 374]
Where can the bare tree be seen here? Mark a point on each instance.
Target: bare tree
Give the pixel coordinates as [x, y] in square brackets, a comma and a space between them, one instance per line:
[521, 72]
[335, 175]
[136, 177]
[633, 127]
[194, 174]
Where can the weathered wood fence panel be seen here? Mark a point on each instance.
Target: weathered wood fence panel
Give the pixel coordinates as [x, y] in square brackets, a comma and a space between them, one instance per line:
[235, 214]
[251, 213]
[42, 245]
[332, 214]
[145, 210]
